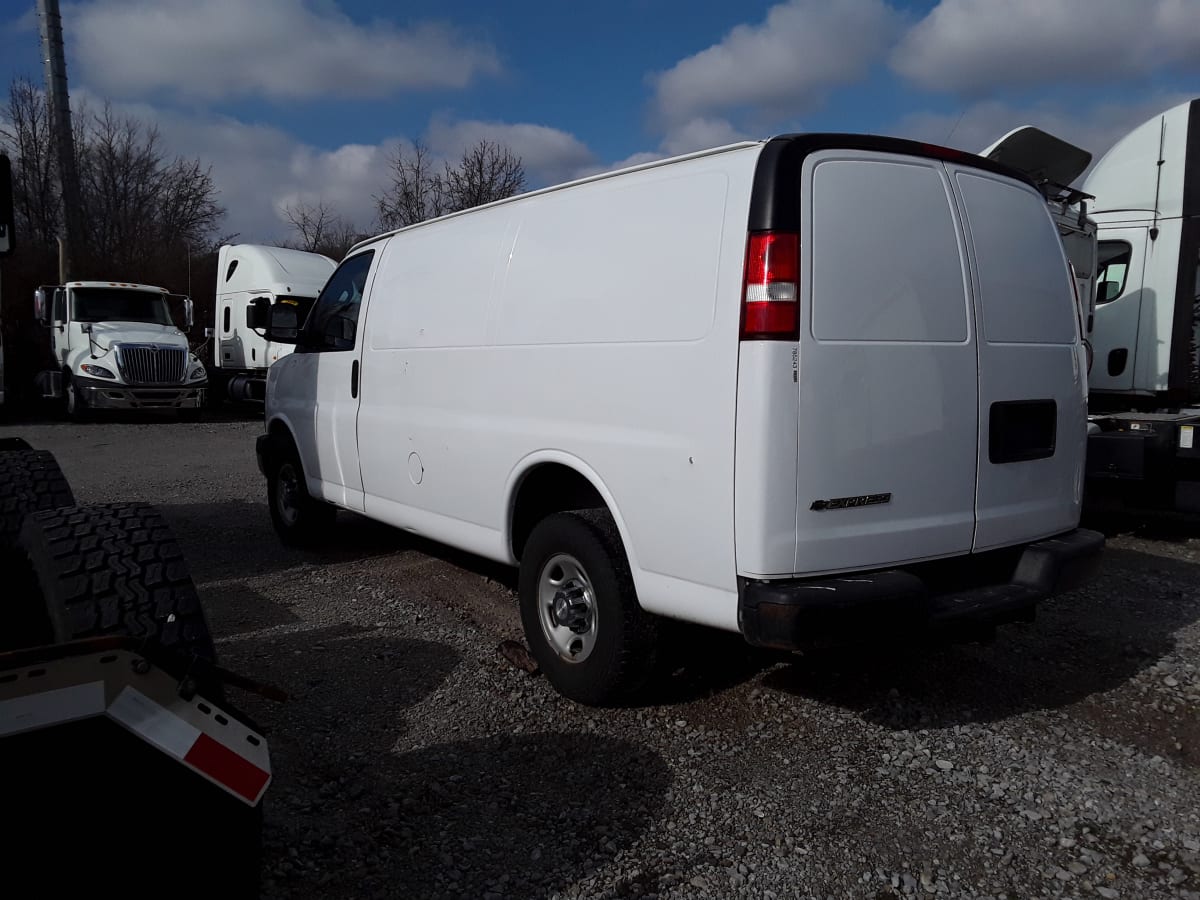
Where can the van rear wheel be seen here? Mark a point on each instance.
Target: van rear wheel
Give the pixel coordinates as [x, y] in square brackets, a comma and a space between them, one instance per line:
[580, 611]
[300, 519]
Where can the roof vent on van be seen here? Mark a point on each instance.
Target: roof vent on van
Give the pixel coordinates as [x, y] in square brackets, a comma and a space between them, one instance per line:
[771, 293]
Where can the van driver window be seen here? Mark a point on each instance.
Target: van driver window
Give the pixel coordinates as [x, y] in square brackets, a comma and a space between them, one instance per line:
[333, 322]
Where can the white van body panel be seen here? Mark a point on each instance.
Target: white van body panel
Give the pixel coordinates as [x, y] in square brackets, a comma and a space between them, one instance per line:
[1029, 350]
[550, 351]
[887, 365]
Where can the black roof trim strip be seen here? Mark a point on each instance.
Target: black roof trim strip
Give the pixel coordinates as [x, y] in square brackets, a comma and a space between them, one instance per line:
[777, 177]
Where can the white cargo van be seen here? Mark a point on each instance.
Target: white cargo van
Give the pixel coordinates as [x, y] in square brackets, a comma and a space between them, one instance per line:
[813, 384]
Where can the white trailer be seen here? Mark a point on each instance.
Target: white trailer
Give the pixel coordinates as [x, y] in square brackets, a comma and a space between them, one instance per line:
[251, 278]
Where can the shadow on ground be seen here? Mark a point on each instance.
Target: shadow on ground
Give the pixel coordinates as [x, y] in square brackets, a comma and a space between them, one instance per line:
[354, 812]
[235, 539]
[1083, 643]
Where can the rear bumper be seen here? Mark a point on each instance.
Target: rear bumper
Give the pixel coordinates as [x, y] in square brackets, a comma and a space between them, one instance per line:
[794, 614]
[101, 394]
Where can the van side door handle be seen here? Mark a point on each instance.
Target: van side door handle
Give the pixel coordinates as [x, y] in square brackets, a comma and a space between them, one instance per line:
[354, 380]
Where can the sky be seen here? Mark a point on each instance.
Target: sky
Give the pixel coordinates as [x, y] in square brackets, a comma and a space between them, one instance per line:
[306, 100]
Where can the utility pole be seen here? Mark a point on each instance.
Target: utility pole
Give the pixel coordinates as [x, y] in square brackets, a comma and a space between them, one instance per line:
[58, 100]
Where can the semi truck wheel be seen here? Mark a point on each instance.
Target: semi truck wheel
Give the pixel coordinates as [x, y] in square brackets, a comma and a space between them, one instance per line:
[112, 569]
[30, 480]
[300, 519]
[77, 408]
[580, 611]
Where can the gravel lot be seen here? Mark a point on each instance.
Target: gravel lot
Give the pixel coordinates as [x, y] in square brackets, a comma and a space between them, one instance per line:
[414, 760]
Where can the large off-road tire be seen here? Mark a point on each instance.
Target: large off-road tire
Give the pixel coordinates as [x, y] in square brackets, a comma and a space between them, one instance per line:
[116, 569]
[300, 519]
[580, 610]
[30, 480]
[112, 569]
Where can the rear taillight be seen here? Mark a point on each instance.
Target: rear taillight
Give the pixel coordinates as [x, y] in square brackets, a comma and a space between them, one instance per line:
[771, 293]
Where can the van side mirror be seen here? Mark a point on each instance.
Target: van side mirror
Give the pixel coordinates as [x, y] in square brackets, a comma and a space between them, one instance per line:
[283, 324]
[259, 312]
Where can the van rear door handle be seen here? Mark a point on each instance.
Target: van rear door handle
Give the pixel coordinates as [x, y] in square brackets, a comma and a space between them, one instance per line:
[354, 380]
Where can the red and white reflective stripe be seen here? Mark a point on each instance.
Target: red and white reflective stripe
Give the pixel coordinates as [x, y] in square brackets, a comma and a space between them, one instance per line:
[53, 707]
[187, 743]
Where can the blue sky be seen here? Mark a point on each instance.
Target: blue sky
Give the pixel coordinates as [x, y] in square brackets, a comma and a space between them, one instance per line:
[303, 100]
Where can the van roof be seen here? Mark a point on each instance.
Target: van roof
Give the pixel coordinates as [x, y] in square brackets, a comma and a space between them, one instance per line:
[789, 149]
[599, 176]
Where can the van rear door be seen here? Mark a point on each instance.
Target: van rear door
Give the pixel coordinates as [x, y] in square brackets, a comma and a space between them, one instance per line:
[888, 386]
[1032, 369]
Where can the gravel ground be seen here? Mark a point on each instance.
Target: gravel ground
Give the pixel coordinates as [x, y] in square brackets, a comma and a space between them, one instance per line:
[414, 760]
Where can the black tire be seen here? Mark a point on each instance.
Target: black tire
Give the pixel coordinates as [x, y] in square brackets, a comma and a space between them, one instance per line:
[113, 569]
[300, 519]
[76, 407]
[623, 650]
[30, 481]
[116, 569]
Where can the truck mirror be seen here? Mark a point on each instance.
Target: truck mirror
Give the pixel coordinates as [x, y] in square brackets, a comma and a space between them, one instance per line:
[40, 309]
[7, 221]
[283, 324]
[258, 313]
[189, 310]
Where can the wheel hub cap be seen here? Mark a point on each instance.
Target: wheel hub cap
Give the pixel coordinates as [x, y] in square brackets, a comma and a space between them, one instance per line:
[567, 608]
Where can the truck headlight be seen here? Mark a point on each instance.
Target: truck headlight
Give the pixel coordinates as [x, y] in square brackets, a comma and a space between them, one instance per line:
[96, 371]
[197, 373]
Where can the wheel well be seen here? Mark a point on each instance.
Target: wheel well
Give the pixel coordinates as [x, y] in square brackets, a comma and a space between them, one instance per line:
[278, 430]
[547, 489]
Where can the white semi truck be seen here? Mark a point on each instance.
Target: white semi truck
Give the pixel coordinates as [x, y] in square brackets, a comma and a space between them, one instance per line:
[250, 279]
[1144, 385]
[116, 346]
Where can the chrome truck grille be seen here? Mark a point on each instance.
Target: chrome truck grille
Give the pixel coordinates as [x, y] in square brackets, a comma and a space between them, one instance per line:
[151, 364]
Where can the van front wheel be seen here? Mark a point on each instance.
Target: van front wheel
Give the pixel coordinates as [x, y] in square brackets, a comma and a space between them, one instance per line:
[580, 611]
[300, 520]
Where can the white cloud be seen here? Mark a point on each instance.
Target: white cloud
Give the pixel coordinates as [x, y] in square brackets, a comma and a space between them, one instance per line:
[260, 169]
[1095, 128]
[783, 65]
[979, 46]
[279, 49]
[700, 134]
[550, 156]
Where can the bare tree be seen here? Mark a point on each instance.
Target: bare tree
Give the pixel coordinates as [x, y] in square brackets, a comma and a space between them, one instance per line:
[26, 136]
[136, 202]
[320, 229]
[418, 191]
[487, 171]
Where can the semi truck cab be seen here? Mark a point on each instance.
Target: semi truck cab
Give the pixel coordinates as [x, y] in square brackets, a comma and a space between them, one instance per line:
[115, 345]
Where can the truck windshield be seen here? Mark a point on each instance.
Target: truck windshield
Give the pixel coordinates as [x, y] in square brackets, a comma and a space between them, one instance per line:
[116, 305]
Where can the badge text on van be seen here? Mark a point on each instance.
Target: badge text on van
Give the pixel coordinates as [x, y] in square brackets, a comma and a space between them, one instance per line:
[851, 502]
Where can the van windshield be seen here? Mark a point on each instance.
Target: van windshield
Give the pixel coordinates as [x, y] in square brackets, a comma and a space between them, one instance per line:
[117, 305]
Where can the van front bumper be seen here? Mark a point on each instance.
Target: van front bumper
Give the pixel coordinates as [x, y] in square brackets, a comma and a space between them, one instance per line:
[797, 614]
[99, 393]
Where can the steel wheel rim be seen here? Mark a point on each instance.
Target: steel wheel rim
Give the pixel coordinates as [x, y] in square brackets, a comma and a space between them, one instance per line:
[567, 608]
[287, 494]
